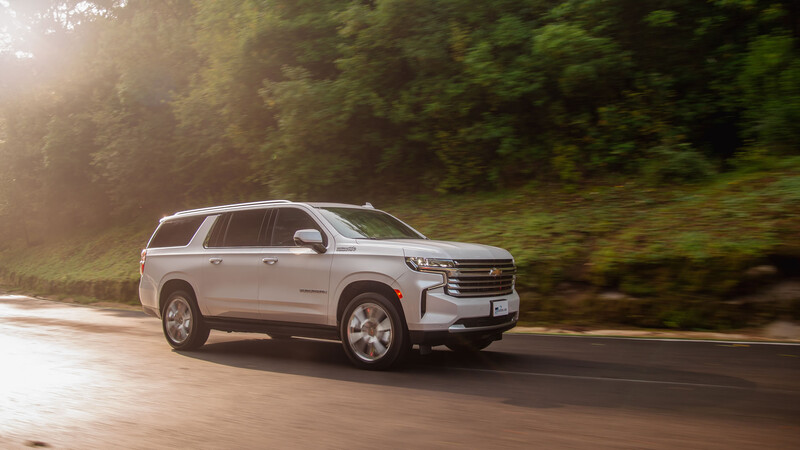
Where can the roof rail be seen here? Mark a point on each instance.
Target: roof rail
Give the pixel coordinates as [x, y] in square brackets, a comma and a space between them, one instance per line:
[234, 205]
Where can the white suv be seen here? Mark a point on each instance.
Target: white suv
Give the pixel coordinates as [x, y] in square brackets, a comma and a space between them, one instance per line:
[323, 270]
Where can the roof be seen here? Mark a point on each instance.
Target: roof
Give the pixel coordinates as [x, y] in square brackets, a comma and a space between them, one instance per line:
[251, 205]
[228, 207]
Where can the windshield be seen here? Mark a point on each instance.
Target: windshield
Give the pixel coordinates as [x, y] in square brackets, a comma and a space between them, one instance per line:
[357, 223]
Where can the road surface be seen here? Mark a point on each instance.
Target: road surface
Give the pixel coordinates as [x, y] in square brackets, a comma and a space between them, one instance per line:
[81, 377]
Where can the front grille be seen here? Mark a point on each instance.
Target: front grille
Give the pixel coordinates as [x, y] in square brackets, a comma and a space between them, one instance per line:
[481, 278]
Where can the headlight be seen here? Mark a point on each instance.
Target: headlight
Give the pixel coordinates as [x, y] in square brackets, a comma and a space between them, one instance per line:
[429, 264]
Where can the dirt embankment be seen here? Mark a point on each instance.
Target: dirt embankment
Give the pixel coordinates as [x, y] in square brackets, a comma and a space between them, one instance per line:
[124, 292]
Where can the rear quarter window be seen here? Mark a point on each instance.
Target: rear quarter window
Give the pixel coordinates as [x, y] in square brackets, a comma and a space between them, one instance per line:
[176, 233]
[239, 229]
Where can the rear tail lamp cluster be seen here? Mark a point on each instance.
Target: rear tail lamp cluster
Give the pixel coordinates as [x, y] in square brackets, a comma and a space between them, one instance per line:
[141, 262]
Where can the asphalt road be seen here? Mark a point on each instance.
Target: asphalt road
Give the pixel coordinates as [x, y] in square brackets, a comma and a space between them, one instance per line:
[80, 377]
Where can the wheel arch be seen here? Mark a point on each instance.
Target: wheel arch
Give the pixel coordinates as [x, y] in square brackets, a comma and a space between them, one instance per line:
[359, 287]
[171, 286]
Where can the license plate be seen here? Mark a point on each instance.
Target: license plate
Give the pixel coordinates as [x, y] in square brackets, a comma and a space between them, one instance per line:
[499, 308]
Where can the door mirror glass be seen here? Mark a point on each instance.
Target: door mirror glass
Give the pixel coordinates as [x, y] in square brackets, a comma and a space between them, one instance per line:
[310, 238]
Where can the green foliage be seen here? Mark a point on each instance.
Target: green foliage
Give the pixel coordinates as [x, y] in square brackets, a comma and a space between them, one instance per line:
[770, 85]
[676, 163]
[701, 242]
[145, 106]
[565, 162]
[661, 18]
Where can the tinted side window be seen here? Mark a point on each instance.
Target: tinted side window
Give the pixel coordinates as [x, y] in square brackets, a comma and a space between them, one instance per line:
[176, 233]
[290, 220]
[217, 234]
[244, 228]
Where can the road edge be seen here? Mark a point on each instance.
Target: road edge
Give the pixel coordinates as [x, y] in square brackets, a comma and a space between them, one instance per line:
[742, 336]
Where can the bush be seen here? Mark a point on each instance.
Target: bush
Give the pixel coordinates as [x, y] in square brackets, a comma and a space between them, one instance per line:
[670, 163]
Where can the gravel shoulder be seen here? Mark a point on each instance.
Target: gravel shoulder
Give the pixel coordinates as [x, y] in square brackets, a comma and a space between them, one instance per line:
[781, 331]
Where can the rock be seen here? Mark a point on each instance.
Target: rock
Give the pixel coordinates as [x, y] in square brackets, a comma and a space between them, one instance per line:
[782, 329]
[573, 295]
[783, 293]
[786, 291]
[761, 271]
[612, 295]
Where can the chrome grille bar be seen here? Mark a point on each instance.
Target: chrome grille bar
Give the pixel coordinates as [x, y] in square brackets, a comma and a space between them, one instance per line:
[481, 278]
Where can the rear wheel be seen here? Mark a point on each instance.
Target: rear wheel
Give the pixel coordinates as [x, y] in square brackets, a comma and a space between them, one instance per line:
[182, 322]
[373, 335]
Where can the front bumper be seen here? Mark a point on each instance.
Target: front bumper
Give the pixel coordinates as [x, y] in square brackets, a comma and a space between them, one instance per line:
[478, 328]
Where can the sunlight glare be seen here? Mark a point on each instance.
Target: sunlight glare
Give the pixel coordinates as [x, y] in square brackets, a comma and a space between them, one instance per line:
[33, 375]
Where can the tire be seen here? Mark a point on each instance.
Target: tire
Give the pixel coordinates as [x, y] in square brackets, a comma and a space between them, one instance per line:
[467, 345]
[182, 322]
[373, 334]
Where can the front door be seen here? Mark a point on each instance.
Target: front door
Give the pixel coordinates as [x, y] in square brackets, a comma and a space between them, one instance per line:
[294, 281]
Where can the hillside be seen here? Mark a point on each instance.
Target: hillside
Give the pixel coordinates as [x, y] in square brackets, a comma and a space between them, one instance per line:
[720, 254]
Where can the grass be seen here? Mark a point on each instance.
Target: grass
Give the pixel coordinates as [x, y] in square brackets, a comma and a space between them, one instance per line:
[111, 254]
[101, 265]
[684, 247]
[737, 215]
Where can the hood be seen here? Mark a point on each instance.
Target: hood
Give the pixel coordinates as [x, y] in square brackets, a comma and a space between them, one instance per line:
[443, 249]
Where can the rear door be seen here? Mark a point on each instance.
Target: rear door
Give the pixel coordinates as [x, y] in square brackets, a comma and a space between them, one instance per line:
[229, 287]
[294, 281]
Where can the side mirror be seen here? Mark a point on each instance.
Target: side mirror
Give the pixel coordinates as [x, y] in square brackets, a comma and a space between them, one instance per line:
[310, 238]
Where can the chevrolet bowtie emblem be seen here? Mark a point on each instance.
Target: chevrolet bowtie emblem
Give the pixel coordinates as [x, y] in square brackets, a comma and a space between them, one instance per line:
[495, 272]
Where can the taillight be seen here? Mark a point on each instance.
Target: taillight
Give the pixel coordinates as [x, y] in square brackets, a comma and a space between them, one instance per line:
[141, 262]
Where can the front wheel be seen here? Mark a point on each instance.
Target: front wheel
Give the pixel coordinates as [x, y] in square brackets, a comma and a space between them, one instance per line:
[373, 335]
[182, 322]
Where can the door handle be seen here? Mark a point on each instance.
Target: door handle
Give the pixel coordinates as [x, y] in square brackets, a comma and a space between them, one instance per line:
[215, 260]
[269, 260]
